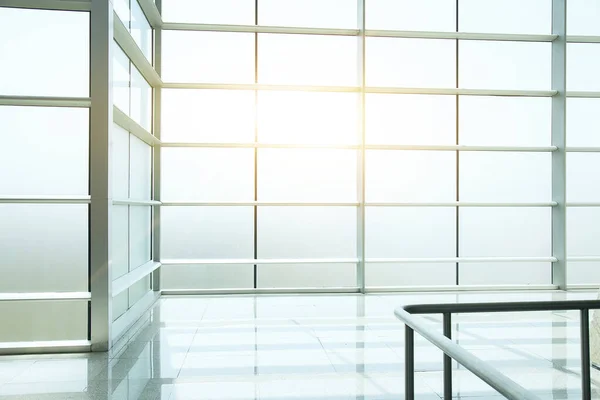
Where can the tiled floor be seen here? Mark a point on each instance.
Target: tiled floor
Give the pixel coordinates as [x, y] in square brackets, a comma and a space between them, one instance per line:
[328, 347]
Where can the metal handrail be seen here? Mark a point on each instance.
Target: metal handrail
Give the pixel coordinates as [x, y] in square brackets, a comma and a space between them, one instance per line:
[483, 370]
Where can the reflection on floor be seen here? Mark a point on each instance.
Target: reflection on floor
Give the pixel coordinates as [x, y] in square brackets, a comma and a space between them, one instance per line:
[306, 347]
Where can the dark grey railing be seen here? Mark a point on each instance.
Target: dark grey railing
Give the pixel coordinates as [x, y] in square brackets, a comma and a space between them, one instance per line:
[483, 370]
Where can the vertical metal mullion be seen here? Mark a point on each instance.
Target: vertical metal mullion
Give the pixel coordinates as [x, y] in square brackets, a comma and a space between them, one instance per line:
[360, 217]
[559, 187]
[457, 141]
[156, 155]
[101, 116]
[255, 274]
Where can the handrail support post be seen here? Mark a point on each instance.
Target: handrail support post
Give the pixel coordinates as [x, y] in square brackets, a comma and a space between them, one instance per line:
[447, 322]
[409, 362]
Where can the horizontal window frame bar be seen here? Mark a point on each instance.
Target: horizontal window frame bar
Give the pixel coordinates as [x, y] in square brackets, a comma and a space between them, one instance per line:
[582, 149]
[133, 202]
[45, 347]
[508, 37]
[266, 261]
[459, 260]
[462, 204]
[353, 204]
[584, 259]
[46, 296]
[583, 94]
[151, 13]
[57, 5]
[531, 149]
[458, 288]
[413, 260]
[122, 283]
[127, 123]
[242, 291]
[134, 53]
[583, 39]
[45, 199]
[46, 101]
[292, 30]
[583, 204]
[583, 286]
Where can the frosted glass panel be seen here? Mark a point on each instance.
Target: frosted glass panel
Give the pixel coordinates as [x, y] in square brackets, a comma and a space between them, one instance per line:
[141, 100]
[505, 177]
[44, 321]
[233, 12]
[585, 273]
[208, 62]
[406, 232]
[121, 7]
[120, 162]
[120, 304]
[44, 151]
[410, 176]
[306, 175]
[138, 290]
[192, 174]
[310, 13]
[207, 277]
[583, 17]
[120, 241]
[140, 170]
[141, 30]
[306, 275]
[306, 232]
[410, 119]
[140, 235]
[308, 118]
[396, 274]
[307, 60]
[30, 39]
[504, 65]
[505, 232]
[121, 78]
[505, 121]
[583, 179]
[44, 248]
[583, 122]
[207, 232]
[432, 62]
[583, 231]
[505, 16]
[206, 116]
[411, 15]
[583, 63]
[527, 273]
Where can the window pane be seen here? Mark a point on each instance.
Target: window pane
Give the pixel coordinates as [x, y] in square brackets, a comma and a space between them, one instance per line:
[121, 7]
[505, 176]
[307, 60]
[583, 17]
[583, 122]
[28, 36]
[44, 151]
[140, 171]
[121, 79]
[141, 100]
[505, 121]
[306, 175]
[206, 116]
[141, 30]
[207, 232]
[410, 176]
[432, 62]
[140, 240]
[207, 277]
[208, 63]
[192, 174]
[504, 65]
[397, 274]
[411, 15]
[505, 16]
[120, 163]
[308, 118]
[309, 13]
[233, 12]
[585, 273]
[53, 320]
[393, 232]
[306, 232]
[583, 63]
[44, 248]
[583, 179]
[139, 290]
[306, 275]
[410, 119]
[583, 231]
[120, 241]
[505, 232]
[120, 304]
[520, 273]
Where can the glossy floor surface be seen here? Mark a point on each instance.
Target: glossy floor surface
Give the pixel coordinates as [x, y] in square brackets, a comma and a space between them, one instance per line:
[325, 347]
